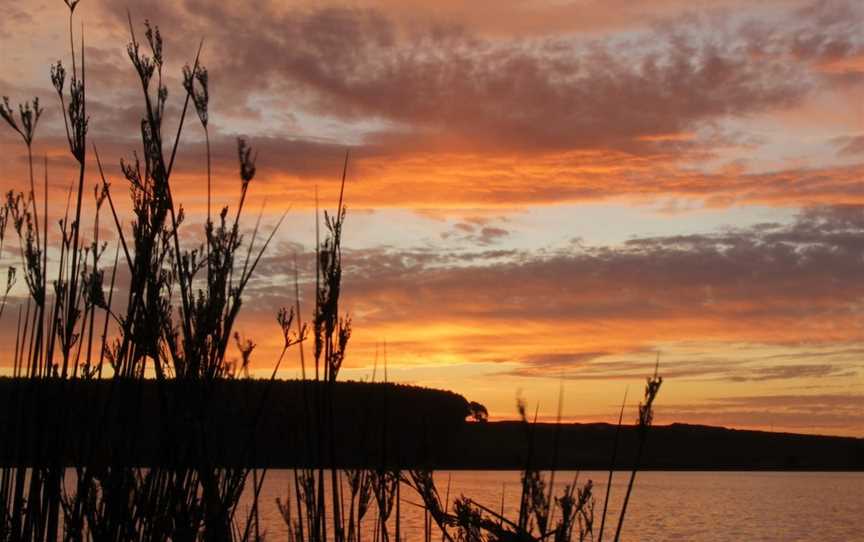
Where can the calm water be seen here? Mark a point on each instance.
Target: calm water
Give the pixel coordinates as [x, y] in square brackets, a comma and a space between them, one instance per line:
[728, 506]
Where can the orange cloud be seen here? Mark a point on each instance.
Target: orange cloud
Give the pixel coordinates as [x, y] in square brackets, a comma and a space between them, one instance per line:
[290, 172]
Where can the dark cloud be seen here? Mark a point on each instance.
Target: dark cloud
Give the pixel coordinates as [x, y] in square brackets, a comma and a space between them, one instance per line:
[841, 19]
[833, 401]
[477, 231]
[786, 372]
[560, 360]
[788, 272]
[490, 235]
[592, 366]
[448, 88]
[559, 118]
[850, 145]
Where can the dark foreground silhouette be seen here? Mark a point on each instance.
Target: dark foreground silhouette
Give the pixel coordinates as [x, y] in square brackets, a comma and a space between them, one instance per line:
[373, 425]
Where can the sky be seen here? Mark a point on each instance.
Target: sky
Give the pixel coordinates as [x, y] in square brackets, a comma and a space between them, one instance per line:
[543, 197]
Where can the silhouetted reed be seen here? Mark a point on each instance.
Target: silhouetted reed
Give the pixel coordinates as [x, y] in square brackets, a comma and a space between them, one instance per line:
[611, 469]
[471, 521]
[646, 417]
[188, 497]
[69, 330]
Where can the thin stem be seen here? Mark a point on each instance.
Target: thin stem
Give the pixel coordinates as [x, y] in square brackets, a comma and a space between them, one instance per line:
[612, 468]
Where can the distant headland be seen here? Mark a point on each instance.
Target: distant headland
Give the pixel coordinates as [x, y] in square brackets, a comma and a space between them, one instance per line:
[373, 424]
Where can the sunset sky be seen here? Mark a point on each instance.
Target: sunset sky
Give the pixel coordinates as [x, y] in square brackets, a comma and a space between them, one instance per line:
[541, 194]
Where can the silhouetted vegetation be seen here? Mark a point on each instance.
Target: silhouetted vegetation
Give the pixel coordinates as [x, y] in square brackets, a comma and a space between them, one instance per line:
[103, 384]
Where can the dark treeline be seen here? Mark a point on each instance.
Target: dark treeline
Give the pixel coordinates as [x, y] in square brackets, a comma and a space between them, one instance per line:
[236, 422]
[671, 447]
[375, 424]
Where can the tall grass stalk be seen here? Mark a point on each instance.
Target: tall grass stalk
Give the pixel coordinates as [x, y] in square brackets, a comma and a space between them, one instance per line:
[69, 331]
[646, 417]
[612, 468]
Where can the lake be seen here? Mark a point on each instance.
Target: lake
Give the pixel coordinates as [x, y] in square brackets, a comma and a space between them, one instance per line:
[721, 506]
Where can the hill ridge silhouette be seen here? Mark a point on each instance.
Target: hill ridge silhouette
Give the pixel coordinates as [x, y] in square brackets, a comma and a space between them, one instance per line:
[376, 423]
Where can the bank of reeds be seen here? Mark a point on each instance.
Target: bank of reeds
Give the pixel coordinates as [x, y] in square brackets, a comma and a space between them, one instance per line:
[175, 325]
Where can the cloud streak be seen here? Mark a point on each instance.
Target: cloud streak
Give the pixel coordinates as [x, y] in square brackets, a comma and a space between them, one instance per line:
[448, 88]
